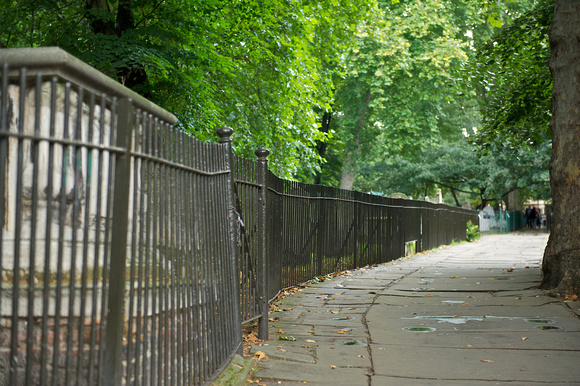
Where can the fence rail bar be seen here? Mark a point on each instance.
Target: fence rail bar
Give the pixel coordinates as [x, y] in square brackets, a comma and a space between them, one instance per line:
[445, 208]
[54, 61]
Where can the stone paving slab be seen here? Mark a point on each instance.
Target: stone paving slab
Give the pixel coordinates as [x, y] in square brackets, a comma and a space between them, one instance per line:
[477, 284]
[509, 340]
[479, 301]
[557, 367]
[343, 355]
[384, 380]
[384, 331]
[450, 299]
[312, 373]
[503, 309]
[289, 328]
[287, 352]
[344, 319]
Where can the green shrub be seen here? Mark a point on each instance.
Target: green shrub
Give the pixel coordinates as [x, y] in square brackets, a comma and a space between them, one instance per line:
[471, 232]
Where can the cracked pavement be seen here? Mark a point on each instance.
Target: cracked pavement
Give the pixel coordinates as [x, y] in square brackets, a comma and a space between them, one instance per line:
[469, 314]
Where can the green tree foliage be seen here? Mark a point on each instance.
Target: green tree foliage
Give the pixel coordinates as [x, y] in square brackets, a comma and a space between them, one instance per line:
[264, 68]
[515, 81]
[453, 167]
[462, 173]
[396, 78]
[515, 84]
[388, 78]
[402, 118]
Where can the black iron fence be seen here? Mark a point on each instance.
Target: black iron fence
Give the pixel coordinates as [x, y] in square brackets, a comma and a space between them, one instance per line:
[117, 261]
[316, 230]
[131, 253]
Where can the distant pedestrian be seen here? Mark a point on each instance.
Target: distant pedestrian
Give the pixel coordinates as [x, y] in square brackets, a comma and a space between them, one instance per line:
[532, 218]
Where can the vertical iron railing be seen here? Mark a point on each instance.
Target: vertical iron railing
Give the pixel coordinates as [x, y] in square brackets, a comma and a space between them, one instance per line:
[131, 253]
[501, 221]
[320, 230]
[116, 249]
[262, 247]
[118, 258]
[57, 152]
[248, 213]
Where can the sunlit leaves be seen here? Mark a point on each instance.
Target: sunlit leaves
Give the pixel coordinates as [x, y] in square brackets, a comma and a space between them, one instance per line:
[403, 59]
[513, 71]
[264, 68]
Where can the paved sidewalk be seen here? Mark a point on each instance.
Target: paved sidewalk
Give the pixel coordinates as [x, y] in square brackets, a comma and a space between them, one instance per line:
[469, 314]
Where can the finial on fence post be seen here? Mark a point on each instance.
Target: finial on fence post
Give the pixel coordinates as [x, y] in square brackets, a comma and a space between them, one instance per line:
[225, 133]
[262, 153]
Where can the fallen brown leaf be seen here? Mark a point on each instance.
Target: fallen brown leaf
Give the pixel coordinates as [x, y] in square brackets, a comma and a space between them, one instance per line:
[487, 360]
[252, 337]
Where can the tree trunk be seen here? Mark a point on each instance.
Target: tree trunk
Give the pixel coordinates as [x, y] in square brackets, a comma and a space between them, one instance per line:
[348, 168]
[98, 24]
[455, 197]
[483, 200]
[322, 145]
[351, 156]
[561, 265]
[134, 76]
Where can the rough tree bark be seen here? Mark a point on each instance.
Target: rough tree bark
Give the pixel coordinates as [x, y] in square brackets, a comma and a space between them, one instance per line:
[322, 145]
[351, 155]
[349, 165]
[561, 265]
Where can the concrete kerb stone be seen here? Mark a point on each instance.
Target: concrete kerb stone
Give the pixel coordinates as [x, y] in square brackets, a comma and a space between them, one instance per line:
[484, 328]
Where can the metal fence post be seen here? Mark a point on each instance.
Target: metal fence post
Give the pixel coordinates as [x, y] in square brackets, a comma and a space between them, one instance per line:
[262, 258]
[320, 235]
[356, 230]
[120, 222]
[225, 139]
